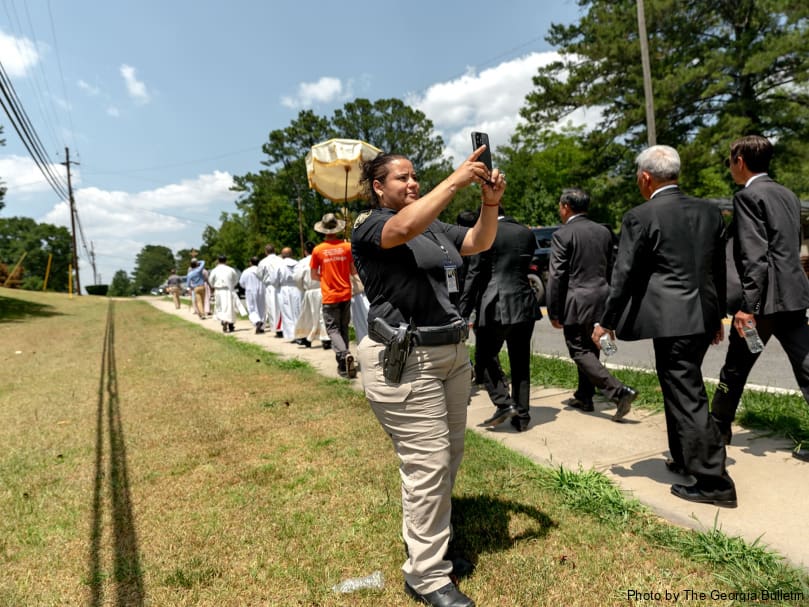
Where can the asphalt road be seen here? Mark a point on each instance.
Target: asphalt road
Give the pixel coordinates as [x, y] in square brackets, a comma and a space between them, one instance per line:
[772, 368]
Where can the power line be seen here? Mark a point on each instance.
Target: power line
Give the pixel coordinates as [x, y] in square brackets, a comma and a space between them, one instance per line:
[175, 164]
[18, 44]
[62, 75]
[22, 124]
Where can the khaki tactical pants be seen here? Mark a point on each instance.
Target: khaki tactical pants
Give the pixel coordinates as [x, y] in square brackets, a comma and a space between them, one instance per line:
[425, 416]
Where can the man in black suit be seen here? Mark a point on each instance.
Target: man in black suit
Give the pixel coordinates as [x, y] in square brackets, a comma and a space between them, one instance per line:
[497, 289]
[766, 233]
[668, 284]
[580, 265]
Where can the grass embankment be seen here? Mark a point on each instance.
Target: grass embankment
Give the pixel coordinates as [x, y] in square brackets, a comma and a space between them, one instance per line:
[147, 460]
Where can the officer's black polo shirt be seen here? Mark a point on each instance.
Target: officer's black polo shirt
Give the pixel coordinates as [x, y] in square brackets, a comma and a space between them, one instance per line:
[410, 278]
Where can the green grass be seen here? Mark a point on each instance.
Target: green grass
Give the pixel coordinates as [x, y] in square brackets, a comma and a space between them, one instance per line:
[147, 460]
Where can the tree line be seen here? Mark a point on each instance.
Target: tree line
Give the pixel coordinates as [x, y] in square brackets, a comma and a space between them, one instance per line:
[720, 69]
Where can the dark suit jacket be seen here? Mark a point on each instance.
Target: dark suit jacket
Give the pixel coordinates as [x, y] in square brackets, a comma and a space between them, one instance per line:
[669, 274]
[496, 284]
[766, 249]
[579, 269]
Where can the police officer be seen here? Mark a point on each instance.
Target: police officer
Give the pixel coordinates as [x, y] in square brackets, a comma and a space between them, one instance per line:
[408, 261]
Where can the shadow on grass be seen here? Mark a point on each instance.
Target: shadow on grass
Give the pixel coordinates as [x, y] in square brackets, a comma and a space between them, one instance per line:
[484, 524]
[13, 310]
[127, 575]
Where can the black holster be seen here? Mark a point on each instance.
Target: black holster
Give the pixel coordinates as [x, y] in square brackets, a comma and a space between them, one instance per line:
[398, 344]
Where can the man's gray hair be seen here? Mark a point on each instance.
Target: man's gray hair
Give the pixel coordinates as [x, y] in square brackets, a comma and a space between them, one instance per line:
[661, 161]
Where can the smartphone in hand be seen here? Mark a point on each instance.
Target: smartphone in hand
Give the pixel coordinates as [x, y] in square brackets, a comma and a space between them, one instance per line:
[479, 139]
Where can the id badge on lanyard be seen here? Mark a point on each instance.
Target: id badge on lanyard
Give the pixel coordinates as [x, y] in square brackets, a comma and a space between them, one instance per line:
[451, 272]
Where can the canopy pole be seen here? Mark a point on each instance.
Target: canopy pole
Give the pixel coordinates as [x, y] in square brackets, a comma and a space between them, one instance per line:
[345, 204]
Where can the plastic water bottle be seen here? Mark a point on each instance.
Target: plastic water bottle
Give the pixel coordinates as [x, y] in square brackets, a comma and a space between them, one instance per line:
[608, 345]
[376, 581]
[754, 343]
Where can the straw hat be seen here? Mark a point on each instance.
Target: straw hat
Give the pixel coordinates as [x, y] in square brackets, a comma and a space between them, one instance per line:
[330, 224]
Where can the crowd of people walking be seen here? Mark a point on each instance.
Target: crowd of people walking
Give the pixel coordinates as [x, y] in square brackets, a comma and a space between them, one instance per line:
[301, 301]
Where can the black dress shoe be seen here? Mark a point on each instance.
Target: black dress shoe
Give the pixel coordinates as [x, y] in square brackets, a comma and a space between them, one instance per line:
[675, 467]
[501, 415]
[351, 366]
[718, 497]
[801, 454]
[581, 405]
[520, 424]
[446, 596]
[624, 402]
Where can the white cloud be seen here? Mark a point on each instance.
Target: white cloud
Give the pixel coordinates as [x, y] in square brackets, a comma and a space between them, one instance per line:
[489, 101]
[136, 88]
[150, 211]
[63, 104]
[325, 90]
[22, 177]
[19, 54]
[88, 88]
[120, 224]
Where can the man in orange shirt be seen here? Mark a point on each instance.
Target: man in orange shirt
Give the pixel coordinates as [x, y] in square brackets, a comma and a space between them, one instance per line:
[333, 265]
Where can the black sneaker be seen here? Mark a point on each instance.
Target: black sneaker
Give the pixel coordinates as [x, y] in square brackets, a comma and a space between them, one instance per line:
[446, 596]
[326, 345]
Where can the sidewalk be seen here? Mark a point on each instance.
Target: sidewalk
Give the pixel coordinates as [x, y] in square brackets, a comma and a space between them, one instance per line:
[772, 487]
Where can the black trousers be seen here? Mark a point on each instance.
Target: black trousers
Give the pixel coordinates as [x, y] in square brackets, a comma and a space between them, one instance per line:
[592, 374]
[489, 341]
[791, 330]
[692, 433]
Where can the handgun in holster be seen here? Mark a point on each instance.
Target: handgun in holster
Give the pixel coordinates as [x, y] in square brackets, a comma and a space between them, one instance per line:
[398, 343]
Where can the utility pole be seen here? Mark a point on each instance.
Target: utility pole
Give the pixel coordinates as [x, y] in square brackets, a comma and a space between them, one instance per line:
[72, 218]
[647, 75]
[93, 262]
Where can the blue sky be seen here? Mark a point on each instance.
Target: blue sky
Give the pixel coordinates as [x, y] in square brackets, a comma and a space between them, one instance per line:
[162, 102]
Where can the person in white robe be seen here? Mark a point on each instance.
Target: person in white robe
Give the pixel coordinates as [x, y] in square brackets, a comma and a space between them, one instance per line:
[224, 280]
[270, 263]
[255, 293]
[359, 308]
[289, 296]
[310, 325]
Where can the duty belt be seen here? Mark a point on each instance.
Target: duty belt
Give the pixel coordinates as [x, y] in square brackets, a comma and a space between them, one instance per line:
[441, 336]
